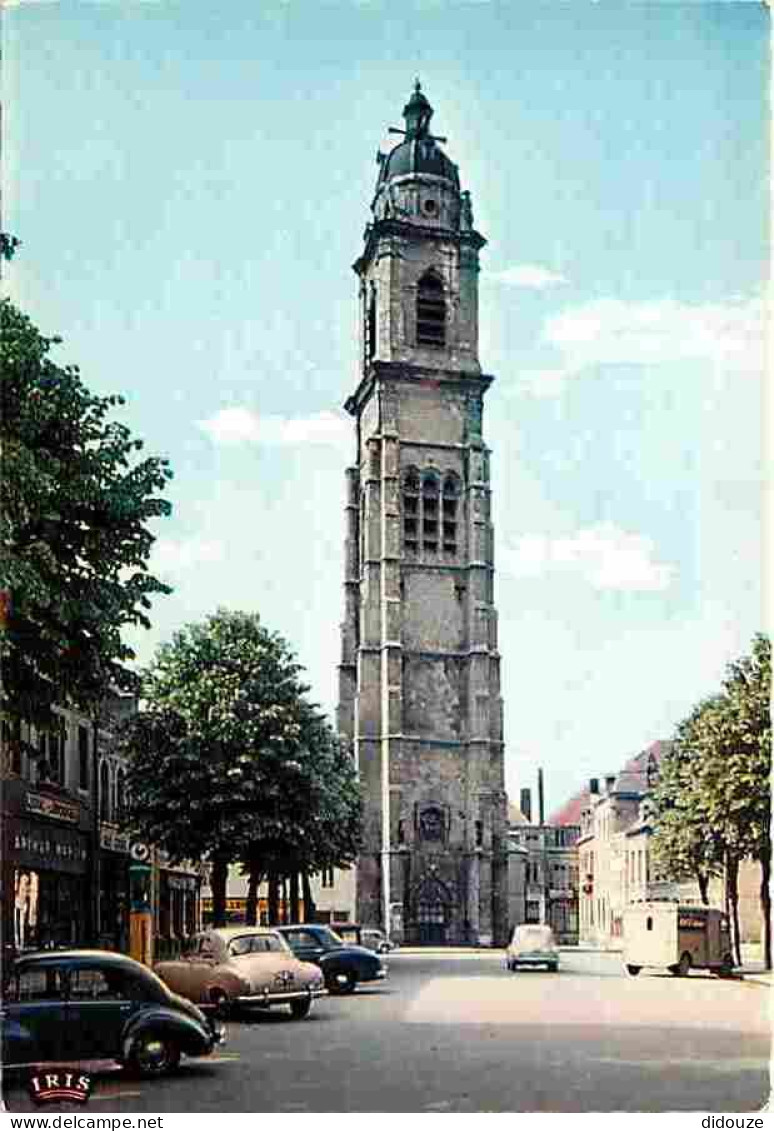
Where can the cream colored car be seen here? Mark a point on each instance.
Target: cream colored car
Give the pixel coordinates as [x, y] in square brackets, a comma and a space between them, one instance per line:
[532, 944]
[243, 966]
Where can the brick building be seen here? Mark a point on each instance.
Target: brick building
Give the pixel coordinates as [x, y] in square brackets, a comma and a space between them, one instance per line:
[419, 678]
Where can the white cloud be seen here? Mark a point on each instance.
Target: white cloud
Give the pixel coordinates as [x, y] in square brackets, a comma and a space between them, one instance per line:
[728, 335]
[232, 426]
[528, 275]
[170, 557]
[605, 556]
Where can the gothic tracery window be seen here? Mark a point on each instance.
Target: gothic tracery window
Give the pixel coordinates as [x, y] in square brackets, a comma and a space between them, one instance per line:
[431, 311]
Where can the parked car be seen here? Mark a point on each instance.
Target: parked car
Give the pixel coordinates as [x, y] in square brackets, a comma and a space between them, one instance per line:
[343, 965]
[369, 937]
[98, 1005]
[243, 966]
[373, 939]
[532, 944]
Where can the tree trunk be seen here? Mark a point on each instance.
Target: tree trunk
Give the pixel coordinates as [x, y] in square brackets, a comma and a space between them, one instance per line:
[766, 904]
[273, 898]
[310, 911]
[218, 883]
[285, 900]
[251, 910]
[732, 887]
[294, 915]
[703, 881]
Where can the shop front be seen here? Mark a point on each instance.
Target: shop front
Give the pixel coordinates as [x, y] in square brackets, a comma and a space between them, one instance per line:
[45, 868]
[113, 888]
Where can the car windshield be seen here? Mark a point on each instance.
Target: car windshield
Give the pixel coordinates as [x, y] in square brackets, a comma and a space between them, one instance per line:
[533, 936]
[256, 944]
[330, 938]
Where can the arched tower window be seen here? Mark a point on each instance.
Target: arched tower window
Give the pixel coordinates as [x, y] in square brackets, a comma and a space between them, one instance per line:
[431, 311]
[450, 503]
[104, 792]
[430, 494]
[371, 323]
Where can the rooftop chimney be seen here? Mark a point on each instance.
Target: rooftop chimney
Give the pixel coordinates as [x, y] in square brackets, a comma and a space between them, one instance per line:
[526, 803]
[594, 785]
[541, 807]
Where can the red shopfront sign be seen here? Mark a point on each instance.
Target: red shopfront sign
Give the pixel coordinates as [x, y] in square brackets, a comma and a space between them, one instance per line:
[54, 807]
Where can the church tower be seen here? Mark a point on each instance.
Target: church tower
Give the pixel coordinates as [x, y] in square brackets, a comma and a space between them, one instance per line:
[419, 694]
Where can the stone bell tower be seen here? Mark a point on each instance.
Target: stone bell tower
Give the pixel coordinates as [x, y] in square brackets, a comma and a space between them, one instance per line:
[419, 695]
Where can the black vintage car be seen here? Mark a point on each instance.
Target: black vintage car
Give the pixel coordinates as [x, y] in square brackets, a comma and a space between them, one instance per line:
[67, 1005]
[343, 966]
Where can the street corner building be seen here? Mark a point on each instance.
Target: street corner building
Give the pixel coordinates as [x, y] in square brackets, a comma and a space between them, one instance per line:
[419, 696]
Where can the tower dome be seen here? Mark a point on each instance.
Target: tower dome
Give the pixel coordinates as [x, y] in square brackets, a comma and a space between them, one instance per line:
[419, 152]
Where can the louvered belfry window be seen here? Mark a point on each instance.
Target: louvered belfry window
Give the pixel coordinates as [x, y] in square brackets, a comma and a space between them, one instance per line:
[430, 493]
[431, 311]
[451, 494]
[411, 510]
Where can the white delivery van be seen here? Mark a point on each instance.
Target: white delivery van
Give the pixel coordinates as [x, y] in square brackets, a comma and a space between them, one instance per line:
[671, 936]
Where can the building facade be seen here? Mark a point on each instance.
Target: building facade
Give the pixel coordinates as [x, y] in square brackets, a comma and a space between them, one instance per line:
[65, 856]
[419, 678]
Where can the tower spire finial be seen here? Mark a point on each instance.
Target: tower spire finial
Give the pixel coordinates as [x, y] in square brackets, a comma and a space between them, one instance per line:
[417, 113]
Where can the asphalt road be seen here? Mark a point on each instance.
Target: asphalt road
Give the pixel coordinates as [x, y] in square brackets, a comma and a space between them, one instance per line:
[458, 1033]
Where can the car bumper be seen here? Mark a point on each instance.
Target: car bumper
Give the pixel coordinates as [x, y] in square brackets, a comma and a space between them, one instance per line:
[534, 960]
[282, 997]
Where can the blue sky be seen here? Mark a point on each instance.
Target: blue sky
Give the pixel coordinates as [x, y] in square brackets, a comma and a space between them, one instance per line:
[191, 183]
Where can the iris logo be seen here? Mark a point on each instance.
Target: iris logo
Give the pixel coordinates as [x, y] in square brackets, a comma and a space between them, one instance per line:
[59, 1086]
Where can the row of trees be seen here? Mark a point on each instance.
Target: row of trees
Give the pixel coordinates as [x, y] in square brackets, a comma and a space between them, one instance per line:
[713, 799]
[230, 761]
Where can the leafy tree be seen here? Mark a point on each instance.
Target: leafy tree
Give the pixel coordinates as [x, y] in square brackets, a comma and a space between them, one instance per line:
[74, 540]
[683, 845]
[714, 798]
[227, 754]
[315, 823]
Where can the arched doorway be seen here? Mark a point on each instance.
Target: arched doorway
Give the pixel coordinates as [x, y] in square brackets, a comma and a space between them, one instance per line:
[432, 912]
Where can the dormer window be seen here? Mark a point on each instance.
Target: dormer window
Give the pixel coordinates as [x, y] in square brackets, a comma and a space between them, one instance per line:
[431, 311]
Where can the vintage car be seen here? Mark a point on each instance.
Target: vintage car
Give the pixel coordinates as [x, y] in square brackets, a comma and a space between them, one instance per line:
[532, 944]
[343, 965]
[373, 939]
[73, 1005]
[232, 967]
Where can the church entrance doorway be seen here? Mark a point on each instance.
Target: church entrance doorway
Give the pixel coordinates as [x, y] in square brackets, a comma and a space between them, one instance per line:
[433, 913]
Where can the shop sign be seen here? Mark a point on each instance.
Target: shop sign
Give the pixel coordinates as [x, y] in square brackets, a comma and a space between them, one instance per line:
[47, 849]
[182, 883]
[113, 841]
[54, 807]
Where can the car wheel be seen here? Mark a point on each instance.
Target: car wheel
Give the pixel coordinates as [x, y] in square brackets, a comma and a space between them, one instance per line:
[683, 967]
[219, 998]
[343, 983]
[153, 1054]
[633, 970]
[300, 1009]
[726, 967]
